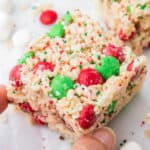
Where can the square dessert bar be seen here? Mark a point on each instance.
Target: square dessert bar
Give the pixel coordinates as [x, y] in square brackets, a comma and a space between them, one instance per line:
[73, 79]
[129, 21]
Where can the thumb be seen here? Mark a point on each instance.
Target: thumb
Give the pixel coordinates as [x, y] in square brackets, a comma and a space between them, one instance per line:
[102, 139]
[3, 98]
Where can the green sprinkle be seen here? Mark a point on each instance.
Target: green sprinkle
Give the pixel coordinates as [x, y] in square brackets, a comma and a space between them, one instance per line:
[45, 52]
[56, 31]
[103, 121]
[85, 34]
[143, 6]
[65, 41]
[129, 9]
[25, 57]
[98, 92]
[114, 1]
[109, 66]
[67, 18]
[44, 60]
[85, 24]
[60, 85]
[14, 92]
[77, 95]
[98, 57]
[112, 107]
[99, 35]
[80, 66]
[33, 7]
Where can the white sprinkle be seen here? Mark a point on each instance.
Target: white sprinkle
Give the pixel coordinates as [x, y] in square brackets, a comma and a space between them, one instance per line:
[131, 146]
[21, 38]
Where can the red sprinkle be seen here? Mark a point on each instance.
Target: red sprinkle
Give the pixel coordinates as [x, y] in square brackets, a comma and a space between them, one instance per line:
[48, 17]
[124, 37]
[43, 66]
[130, 66]
[46, 46]
[26, 107]
[38, 121]
[89, 77]
[112, 50]
[15, 75]
[87, 117]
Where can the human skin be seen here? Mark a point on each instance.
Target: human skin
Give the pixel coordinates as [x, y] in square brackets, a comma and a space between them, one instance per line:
[102, 139]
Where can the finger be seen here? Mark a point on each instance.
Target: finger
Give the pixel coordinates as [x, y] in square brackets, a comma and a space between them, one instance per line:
[3, 98]
[106, 136]
[88, 143]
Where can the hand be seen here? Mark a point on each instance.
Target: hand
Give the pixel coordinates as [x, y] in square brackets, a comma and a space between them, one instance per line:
[3, 98]
[103, 139]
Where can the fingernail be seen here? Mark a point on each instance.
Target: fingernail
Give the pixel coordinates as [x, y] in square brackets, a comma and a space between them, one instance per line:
[106, 136]
[3, 98]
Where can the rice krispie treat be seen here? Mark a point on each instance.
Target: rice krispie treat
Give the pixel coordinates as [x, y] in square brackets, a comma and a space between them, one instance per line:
[73, 79]
[129, 20]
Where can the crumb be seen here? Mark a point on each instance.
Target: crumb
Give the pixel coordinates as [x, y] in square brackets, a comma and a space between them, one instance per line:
[148, 118]
[142, 123]
[132, 133]
[61, 138]
[16, 108]
[147, 133]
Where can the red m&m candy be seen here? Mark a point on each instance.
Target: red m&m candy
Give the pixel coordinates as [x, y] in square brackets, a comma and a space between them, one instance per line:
[117, 52]
[48, 17]
[15, 75]
[43, 66]
[89, 77]
[87, 117]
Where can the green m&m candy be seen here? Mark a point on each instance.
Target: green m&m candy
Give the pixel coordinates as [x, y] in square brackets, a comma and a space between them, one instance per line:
[67, 18]
[109, 66]
[60, 85]
[25, 57]
[56, 30]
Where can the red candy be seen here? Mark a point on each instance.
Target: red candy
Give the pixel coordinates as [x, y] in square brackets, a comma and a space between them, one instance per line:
[89, 77]
[43, 66]
[15, 75]
[130, 66]
[117, 52]
[38, 121]
[124, 37]
[87, 117]
[26, 107]
[48, 17]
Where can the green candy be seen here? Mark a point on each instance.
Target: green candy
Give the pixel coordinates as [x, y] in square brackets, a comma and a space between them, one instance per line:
[67, 18]
[25, 57]
[109, 66]
[60, 85]
[57, 31]
[112, 107]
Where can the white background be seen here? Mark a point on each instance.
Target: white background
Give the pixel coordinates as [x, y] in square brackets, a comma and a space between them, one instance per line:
[16, 133]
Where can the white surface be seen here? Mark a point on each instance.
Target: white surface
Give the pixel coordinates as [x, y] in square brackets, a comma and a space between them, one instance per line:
[6, 5]
[131, 146]
[6, 25]
[17, 133]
